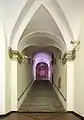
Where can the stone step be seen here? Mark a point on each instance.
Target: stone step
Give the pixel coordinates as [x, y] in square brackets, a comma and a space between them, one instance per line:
[42, 98]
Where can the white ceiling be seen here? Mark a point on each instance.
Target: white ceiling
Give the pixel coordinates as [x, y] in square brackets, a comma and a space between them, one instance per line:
[71, 12]
[42, 40]
[72, 9]
[42, 21]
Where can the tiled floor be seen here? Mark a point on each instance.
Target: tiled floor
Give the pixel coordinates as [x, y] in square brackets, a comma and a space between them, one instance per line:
[41, 116]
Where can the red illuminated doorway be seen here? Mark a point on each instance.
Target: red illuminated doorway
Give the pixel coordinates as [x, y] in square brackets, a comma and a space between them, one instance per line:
[42, 71]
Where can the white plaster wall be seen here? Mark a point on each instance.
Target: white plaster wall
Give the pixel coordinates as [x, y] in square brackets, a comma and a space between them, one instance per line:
[8, 81]
[79, 76]
[61, 71]
[70, 85]
[24, 76]
[2, 71]
[13, 77]
[5, 70]
[66, 72]
[21, 75]
[9, 12]
[74, 11]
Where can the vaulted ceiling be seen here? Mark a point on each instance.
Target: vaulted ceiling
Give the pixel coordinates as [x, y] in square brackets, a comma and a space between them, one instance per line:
[61, 18]
[72, 9]
[42, 21]
[32, 50]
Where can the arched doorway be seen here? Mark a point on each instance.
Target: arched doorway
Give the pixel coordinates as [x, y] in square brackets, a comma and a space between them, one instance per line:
[42, 64]
[42, 71]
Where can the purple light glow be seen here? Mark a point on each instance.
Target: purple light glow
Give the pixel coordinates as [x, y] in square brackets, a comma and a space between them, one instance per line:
[42, 57]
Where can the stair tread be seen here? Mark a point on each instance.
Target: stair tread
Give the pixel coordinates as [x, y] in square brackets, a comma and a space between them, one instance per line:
[42, 98]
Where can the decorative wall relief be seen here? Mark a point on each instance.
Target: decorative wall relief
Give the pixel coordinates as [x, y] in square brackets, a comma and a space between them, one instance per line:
[15, 55]
[69, 56]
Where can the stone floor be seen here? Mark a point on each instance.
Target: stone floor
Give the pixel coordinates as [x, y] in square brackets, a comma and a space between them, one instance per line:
[42, 98]
[40, 116]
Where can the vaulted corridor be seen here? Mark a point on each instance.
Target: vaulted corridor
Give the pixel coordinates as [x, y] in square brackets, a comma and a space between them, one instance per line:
[41, 58]
[42, 98]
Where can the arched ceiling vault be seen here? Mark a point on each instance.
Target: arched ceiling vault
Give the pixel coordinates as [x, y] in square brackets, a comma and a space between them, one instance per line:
[32, 50]
[52, 10]
[42, 21]
[41, 39]
[13, 13]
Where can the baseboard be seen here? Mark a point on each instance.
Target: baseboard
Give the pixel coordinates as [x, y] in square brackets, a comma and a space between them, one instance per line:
[76, 114]
[25, 90]
[7, 114]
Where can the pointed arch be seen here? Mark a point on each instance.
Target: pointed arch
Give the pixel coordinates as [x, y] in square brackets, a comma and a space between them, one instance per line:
[57, 16]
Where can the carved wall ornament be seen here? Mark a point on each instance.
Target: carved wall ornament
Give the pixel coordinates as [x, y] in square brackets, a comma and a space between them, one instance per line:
[76, 44]
[15, 55]
[69, 56]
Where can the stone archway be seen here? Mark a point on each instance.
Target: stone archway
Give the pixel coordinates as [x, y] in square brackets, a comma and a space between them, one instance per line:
[42, 71]
[53, 40]
[59, 19]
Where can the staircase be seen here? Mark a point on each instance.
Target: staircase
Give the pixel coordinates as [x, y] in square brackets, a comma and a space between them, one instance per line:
[42, 98]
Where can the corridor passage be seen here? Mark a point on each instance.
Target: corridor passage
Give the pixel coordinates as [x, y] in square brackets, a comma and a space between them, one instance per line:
[42, 98]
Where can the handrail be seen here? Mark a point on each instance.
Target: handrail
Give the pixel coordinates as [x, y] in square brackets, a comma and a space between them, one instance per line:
[60, 92]
[25, 90]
